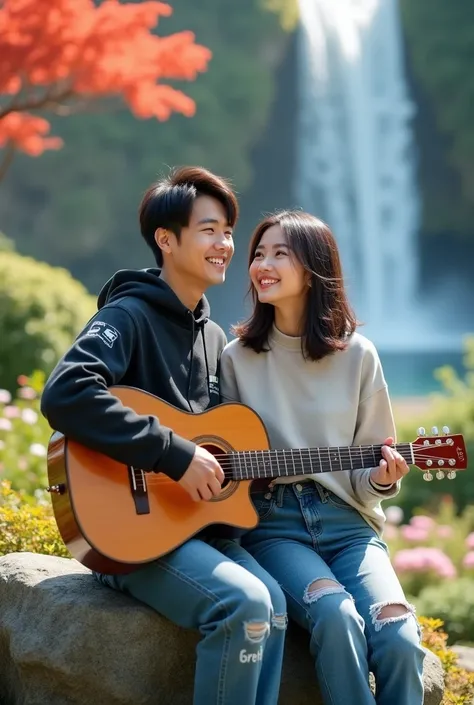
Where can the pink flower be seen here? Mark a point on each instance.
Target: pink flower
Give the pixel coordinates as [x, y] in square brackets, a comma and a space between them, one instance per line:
[422, 522]
[414, 533]
[421, 559]
[11, 412]
[390, 532]
[444, 531]
[5, 396]
[470, 541]
[468, 560]
[5, 425]
[26, 393]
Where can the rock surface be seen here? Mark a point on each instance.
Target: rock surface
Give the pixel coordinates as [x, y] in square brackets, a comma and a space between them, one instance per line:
[67, 640]
[465, 655]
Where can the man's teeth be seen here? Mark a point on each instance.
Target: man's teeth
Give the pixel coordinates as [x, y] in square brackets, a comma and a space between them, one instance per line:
[215, 260]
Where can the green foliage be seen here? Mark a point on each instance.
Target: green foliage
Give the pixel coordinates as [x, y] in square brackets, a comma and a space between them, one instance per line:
[24, 436]
[27, 526]
[459, 684]
[453, 407]
[6, 245]
[88, 191]
[440, 36]
[41, 311]
[453, 602]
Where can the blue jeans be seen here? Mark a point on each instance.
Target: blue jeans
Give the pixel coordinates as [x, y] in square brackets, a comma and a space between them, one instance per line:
[306, 534]
[238, 608]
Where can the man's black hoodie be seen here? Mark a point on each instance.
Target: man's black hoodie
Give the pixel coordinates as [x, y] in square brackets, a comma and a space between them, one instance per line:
[144, 337]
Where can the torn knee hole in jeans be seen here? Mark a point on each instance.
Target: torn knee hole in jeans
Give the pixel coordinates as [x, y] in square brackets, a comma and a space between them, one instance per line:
[256, 632]
[383, 613]
[320, 588]
[280, 621]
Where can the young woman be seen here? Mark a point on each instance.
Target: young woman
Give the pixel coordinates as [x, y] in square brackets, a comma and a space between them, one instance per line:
[315, 382]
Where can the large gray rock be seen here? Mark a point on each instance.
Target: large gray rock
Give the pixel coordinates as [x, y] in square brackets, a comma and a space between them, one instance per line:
[67, 640]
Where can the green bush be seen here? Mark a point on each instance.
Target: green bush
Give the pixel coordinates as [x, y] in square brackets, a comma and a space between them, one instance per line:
[453, 407]
[453, 602]
[433, 557]
[431, 550]
[458, 683]
[27, 525]
[42, 308]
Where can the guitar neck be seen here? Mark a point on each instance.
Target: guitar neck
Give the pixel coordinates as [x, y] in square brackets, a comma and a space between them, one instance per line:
[252, 464]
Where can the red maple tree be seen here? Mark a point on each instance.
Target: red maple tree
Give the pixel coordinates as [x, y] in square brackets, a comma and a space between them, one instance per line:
[58, 56]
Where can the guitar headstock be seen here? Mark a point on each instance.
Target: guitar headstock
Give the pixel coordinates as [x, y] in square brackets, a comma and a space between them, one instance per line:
[444, 454]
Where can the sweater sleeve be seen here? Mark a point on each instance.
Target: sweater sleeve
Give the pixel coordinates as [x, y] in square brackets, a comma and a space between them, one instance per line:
[76, 400]
[374, 424]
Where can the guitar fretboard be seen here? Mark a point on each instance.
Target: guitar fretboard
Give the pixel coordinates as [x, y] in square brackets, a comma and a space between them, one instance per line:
[252, 464]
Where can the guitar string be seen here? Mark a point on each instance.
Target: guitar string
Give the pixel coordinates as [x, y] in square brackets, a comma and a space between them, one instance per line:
[231, 471]
[344, 450]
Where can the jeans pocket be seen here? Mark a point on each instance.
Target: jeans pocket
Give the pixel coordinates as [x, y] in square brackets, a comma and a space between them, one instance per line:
[338, 502]
[264, 503]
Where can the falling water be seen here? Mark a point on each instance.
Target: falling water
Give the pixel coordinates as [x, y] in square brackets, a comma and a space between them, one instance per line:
[356, 165]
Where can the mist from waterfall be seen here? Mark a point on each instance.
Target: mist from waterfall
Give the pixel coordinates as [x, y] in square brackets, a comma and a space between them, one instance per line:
[356, 157]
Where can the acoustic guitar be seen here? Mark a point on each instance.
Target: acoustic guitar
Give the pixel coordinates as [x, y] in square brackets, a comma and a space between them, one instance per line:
[115, 518]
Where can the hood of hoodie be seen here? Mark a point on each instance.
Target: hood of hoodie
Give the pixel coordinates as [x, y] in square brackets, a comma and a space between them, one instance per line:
[146, 284]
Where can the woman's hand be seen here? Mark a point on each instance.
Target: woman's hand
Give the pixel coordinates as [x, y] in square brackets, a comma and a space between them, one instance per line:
[391, 468]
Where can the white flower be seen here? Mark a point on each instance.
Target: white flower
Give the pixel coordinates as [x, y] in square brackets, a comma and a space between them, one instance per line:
[394, 514]
[5, 425]
[38, 449]
[5, 396]
[29, 416]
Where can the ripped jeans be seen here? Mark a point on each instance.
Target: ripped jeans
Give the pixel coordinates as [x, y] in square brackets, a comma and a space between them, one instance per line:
[340, 585]
[239, 609]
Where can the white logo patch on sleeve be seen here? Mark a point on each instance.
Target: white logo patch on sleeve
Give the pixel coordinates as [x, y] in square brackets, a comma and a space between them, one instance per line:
[107, 333]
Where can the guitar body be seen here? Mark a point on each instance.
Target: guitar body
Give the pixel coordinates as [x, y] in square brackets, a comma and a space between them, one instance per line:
[109, 528]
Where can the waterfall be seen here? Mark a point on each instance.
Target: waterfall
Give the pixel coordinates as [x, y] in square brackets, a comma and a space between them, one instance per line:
[355, 154]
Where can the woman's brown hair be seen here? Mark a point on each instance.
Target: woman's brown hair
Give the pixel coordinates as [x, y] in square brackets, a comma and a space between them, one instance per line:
[329, 319]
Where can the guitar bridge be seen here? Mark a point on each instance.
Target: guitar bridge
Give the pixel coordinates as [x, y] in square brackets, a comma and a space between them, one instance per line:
[139, 490]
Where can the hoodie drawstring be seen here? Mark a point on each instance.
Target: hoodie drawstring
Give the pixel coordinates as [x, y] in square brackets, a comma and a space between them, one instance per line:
[205, 358]
[191, 362]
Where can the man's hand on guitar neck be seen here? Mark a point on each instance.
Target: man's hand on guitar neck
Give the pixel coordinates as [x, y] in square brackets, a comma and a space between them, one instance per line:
[204, 476]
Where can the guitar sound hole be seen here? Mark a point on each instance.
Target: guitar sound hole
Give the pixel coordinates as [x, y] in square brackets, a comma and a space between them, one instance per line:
[216, 451]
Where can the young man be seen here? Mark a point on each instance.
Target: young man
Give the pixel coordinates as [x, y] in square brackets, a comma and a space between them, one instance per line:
[152, 331]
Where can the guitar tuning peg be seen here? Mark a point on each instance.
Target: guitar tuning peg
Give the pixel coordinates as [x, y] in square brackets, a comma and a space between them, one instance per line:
[440, 475]
[421, 431]
[427, 476]
[434, 430]
[445, 430]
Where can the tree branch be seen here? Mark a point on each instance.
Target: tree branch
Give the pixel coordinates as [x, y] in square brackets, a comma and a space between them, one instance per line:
[7, 159]
[48, 100]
